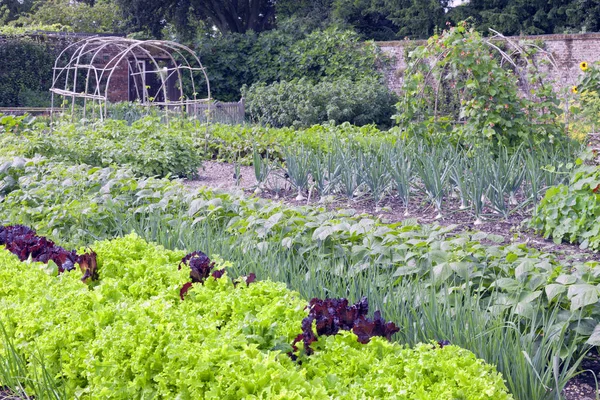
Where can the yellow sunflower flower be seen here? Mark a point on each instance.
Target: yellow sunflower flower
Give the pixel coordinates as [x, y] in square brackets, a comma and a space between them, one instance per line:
[584, 66]
[574, 89]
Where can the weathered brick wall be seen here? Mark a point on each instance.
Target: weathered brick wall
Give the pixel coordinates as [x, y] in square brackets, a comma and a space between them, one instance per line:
[568, 51]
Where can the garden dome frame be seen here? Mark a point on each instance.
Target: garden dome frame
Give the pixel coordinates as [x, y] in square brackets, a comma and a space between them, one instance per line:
[95, 68]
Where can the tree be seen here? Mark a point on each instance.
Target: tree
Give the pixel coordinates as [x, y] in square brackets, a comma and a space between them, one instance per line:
[228, 16]
[12, 9]
[392, 19]
[100, 16]
[532, 17]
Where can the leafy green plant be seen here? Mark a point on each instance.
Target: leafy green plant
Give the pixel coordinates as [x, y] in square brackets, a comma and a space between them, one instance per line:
[470, 95]
[14, 124]
[147, 146]
[337, 253]
[144, 331]
[570, 212]
[302, 103]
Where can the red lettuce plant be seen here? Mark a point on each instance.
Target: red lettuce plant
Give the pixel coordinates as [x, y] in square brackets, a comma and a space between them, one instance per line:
[25, 244]
[333, 315]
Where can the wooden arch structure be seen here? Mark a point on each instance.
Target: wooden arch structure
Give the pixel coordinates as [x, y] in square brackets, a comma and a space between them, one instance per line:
[155, 73]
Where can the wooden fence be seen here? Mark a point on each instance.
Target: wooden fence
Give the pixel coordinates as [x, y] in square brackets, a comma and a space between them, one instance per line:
[225, 113]
[25, 110]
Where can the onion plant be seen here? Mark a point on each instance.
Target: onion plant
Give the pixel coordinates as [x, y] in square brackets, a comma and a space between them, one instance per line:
[477, 184]
[400, 165]
[433, 166]
[262, 167]
[349, 177]
[374, 172]
[459, 177]
[14, 368]
[297, 161]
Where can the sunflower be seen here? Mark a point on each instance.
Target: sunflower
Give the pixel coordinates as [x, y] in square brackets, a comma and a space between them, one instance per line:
[574, 89]
[583, 65]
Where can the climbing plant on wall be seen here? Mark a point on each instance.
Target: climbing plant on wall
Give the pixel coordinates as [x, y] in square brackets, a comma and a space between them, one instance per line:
[477, 90]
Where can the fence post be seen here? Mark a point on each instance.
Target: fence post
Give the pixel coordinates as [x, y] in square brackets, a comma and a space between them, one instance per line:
[242, 109]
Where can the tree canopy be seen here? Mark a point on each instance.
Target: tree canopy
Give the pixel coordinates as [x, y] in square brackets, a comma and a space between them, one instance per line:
[227, 16]
[533, 17]
[371, 19]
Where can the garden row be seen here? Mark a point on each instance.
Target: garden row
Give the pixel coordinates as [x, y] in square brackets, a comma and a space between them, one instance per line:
[527, 313]
[130, 335]
[343, 161]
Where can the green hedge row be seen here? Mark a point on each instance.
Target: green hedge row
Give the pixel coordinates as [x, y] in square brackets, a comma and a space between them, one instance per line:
[26, 70]
[131, 336]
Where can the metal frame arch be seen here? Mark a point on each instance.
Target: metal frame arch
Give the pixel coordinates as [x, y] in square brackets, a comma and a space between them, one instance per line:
[99, 73]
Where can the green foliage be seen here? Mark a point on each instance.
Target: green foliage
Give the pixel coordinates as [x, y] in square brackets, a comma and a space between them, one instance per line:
[76, 203]
[300, 103]
[586, 102]
[79, 203]
[530, 17]
[26, 66]
[101, 16]
[322, 253]
[132, 336]
[237, 143]
[469, 96]
[11, 124]
[571, 212]
[147, 146]
[286, 54]
[236, 17]
[393, 19]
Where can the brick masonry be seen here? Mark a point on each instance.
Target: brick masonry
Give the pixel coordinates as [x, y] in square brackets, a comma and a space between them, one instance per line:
[568, 51]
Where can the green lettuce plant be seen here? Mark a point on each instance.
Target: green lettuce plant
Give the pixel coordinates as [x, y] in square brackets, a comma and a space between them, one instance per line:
[131, 336]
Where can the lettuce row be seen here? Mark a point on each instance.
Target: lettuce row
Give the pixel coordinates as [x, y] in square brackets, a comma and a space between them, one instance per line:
[129, 335]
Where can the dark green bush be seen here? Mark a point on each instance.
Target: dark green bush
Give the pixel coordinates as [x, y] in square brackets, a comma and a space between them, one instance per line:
[26, 71]
[285, 54]
[301, 103]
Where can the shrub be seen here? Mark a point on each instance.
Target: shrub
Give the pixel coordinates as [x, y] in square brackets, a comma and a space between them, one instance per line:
[301, 103]
[287, 53]
[571, 213]
[25, 69]
[132, 336]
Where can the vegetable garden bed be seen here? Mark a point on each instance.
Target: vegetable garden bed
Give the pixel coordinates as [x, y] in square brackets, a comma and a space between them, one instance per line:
[133, 334]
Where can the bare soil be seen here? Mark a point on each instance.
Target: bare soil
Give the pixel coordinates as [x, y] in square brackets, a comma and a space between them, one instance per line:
[6, 394]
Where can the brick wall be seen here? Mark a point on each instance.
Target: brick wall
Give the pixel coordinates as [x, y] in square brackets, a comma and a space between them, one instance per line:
[567, 50]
